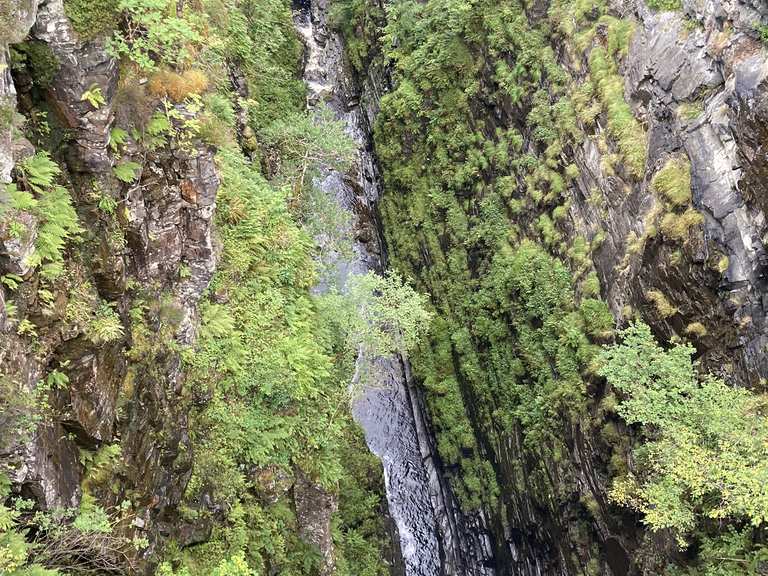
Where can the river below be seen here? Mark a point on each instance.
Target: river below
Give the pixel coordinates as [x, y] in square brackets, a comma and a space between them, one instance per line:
[434, 537]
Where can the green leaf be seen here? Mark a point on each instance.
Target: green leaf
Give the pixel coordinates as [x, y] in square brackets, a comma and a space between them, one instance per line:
[94, 97]
[127, 171]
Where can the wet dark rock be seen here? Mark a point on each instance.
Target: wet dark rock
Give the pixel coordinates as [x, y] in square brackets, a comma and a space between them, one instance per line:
[53, 469]
[170, 249]
[170, 225]
[314, 508]
[90, 400]
[83, 66]
[15, 251]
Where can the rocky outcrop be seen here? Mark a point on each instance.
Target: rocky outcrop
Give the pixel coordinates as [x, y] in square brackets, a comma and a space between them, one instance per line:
[170, 226]
[695, 79]
[16, 18]
[84, 66]
[691, 85]
[314, 508]
[160, 236]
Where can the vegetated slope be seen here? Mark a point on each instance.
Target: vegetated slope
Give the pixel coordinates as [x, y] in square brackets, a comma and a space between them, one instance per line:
[171, 395]
[554, 171]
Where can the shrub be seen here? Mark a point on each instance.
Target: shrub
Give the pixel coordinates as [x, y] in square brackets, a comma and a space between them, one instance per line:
[762, 31]
[105, 326]
[704, 456]
[155, 35]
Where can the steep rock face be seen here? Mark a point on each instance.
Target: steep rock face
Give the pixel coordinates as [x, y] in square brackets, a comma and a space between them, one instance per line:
[167, 248]
[314, 508]
[703, 58]
[694, 80]
[16, 18]
[83, 66]
[672, 65]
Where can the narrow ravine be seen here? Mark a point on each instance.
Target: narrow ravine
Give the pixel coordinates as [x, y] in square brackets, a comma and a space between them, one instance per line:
[434, 538]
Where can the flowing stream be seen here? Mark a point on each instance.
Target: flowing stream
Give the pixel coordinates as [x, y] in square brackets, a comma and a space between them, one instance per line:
[434, 537]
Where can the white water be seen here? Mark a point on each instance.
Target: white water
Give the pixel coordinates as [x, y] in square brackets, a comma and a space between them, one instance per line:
[387, 410]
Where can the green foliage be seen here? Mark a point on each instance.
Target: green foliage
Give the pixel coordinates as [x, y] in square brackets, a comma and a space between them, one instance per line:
[258, 36]
[105, 325]
[52, 205]
[376, 317]
[731, 553]
[360, 22]
[307, 144]
[383, 315]
[665, 4]
[117, 138]
[94, 97]
[127, 171]
[155, 34]
[672, 184]
[14, 550]
[622, 123]
[267, 357]
[762, 30]
[706, 448]
[502, 362]
[673, 181]
[663, 306]
[39, 60]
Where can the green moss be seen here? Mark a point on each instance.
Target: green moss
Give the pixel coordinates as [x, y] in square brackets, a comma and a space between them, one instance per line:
[663, 306]
[92, 18]
[622, 124]
[673, 181]
[690, 110]
[38, 60]
[696, 329]
[678, 226]
[665, 4]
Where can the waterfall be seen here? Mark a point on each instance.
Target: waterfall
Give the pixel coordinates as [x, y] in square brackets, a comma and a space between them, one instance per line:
[434, 537]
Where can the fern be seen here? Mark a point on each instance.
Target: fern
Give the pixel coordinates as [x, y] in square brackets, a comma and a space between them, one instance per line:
[39, 172]
[105, 326]
[12, 281]
[57, 218]
[59, 224]
[158, 129]
[217, 322]
[56, 380]
[127, 171]
[94, 97]
[20, 199]
[117, 138]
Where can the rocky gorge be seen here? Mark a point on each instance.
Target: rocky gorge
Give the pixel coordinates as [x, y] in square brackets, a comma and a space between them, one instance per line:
[191, 188]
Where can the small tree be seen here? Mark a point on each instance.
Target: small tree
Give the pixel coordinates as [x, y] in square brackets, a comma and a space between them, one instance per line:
[307, 144]
[377, 317]
[705, 453]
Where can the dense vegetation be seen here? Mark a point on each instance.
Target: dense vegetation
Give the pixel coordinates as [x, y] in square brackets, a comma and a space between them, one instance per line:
[519, 358]
[267, 381]
[474, 142]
